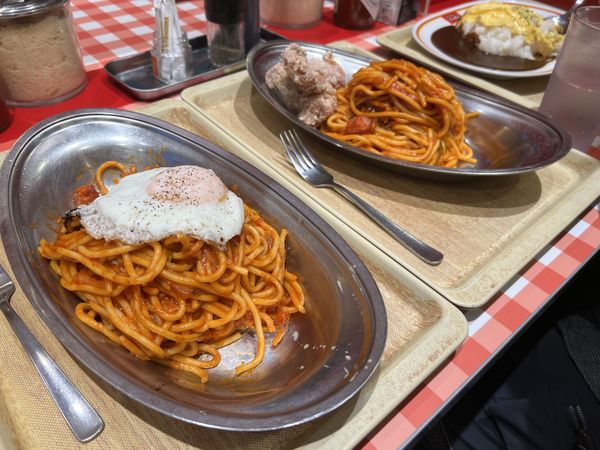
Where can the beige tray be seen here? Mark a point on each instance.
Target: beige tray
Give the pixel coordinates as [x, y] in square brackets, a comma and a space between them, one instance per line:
[423, 330]
[487, 229]
[527, 92]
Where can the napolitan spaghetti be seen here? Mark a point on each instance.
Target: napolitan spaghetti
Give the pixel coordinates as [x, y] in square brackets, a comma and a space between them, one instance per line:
[396, 109]
[180, 299]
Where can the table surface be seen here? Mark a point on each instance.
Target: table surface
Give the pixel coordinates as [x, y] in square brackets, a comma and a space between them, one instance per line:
[110, 29]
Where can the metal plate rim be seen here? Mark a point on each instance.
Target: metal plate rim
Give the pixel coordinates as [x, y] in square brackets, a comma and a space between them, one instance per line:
[75, 344]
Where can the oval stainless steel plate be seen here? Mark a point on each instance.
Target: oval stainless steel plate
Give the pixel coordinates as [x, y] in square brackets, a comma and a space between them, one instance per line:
[326, 356]
[506, 138]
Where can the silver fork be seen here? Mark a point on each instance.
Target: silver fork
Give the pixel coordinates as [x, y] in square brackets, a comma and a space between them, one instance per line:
[309, 168]
[83, 420]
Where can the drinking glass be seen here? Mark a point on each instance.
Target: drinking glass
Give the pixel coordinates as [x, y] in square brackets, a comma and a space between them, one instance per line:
[572, 97]
[291, 13]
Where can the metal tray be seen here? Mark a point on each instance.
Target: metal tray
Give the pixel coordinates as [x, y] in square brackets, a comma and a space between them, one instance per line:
[134, 73]
[506, 138]
[339, 341]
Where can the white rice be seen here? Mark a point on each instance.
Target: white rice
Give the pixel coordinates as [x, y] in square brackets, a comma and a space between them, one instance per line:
[499, 41]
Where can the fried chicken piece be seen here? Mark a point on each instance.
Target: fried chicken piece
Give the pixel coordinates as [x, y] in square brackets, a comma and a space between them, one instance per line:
[317, 107]
[307, 86]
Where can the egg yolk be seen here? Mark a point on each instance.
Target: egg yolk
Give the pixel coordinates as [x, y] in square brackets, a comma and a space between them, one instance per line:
[187, 184]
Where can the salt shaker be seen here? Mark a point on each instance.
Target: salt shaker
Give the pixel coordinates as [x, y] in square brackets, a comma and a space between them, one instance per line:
[225, 30]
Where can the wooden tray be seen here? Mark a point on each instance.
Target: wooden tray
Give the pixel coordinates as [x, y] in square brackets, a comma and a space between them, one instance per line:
[423, 330]
[488, 229]
[526, 92]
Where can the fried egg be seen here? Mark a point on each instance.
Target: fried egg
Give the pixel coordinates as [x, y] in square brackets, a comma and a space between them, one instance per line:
[154, 204]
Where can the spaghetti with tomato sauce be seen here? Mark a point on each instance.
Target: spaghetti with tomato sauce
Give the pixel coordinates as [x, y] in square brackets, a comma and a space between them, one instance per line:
[178, 300]
[396, 109]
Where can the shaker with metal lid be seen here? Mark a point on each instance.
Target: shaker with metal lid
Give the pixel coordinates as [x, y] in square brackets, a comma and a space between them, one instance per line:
[40, 58]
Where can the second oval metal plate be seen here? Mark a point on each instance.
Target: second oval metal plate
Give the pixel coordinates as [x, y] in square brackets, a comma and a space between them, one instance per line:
[506, 138]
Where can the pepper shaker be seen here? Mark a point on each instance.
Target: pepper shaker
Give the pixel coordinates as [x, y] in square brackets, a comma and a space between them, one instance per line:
[225, 30]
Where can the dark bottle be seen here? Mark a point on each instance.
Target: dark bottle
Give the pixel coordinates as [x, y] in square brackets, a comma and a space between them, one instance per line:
[4, 112]
[352, 14]
[252, 25]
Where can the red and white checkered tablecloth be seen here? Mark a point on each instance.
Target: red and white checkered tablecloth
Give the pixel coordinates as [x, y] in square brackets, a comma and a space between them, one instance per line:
[491, 327]
[110, 29]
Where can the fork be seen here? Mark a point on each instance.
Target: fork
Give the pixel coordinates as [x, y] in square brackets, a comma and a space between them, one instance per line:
[314, 173]
[83, 420]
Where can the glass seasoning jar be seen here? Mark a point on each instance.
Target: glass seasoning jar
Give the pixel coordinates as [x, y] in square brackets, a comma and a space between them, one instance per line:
[352, 14]
[225, 30]
[39, 52]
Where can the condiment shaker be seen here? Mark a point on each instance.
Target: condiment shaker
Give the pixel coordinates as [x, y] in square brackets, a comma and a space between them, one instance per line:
[355, 14]
[225, 30]
[39, 52]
